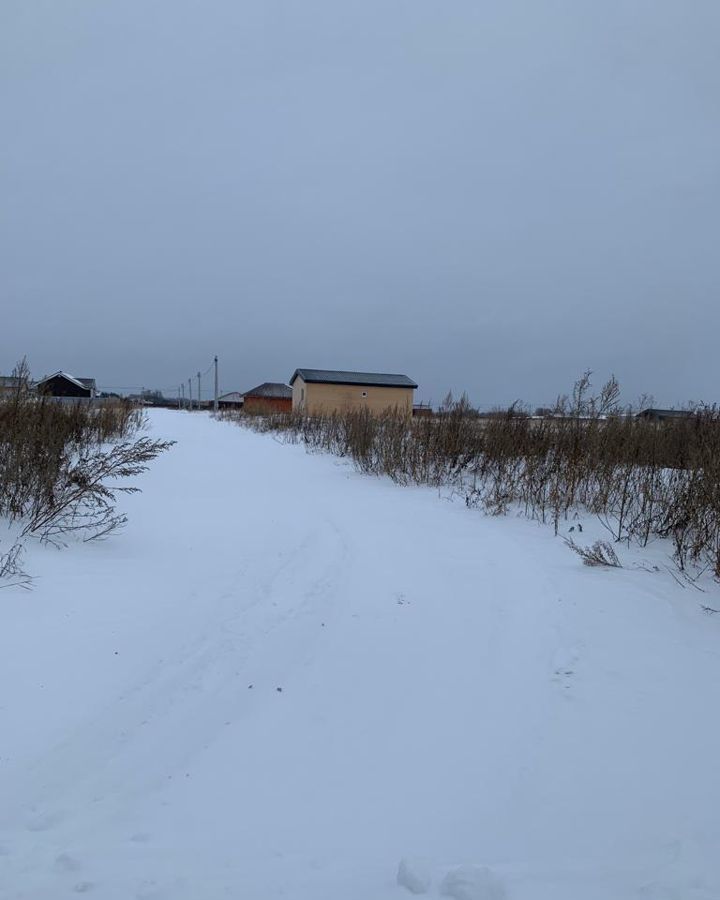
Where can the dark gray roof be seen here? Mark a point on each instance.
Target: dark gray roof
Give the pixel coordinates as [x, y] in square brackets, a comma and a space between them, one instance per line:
[655, 413]
[87, 382]
[271, 389]
[369, 379]
[9, 381]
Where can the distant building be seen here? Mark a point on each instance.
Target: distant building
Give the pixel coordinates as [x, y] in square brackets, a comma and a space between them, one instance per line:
[422, 411]
[316, 391]
[89, 383]
[148, 397]
[268, 397]
[153, 397]
[232, 400]
[665, 415]
[63, 385]
[9, 384]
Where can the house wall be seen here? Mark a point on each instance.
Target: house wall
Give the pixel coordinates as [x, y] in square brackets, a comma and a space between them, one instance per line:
[328, 398]
[267, 404]
[299, 389]
[61, 387]
[78, 401]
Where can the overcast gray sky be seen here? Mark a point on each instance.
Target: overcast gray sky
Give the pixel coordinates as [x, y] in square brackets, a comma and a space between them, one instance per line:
[489, 196]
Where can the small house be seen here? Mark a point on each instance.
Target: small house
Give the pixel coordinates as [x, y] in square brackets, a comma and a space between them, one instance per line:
[9, 385]
[268, 397]
[63, 385]
[422, 411]
[231, 400]
[317, 391]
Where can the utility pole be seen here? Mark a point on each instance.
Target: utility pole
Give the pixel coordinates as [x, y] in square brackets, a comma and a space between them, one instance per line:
[199, 394]
[182, 392]
[215, 404]
[179, 401]
[190, 392]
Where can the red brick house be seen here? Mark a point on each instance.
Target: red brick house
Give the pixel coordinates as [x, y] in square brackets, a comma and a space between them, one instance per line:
[268, 397]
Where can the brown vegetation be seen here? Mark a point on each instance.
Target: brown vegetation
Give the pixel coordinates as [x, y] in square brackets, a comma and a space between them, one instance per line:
[59, 463]
[642, 479]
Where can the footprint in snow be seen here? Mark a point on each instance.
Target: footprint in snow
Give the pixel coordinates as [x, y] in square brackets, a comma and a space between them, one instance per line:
[140, 837]
[564, 664]
[45, 821]
[66, 863]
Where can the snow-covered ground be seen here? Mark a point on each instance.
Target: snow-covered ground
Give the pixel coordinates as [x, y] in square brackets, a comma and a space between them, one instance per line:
[284, 677]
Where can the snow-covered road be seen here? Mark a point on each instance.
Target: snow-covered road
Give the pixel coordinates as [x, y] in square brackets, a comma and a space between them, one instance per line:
[284, 677]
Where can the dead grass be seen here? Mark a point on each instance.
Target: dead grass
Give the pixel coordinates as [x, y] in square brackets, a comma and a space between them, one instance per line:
[642, 479]
[62, 465]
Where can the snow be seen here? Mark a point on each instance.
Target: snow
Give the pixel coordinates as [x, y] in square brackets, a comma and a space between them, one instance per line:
[472, 883]
[414, 875]
[455, 688]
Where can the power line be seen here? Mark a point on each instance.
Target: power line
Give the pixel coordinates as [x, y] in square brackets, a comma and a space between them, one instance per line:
[200, 375]
[177, 391]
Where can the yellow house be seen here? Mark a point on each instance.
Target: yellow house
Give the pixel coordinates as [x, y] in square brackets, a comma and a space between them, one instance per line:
[317, 391]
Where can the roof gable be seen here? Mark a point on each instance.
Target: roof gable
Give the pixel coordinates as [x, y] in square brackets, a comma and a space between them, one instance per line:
[76, 381]
[366, 379]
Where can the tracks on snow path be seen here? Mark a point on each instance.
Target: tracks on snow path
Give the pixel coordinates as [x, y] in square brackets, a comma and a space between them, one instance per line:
[285, 676]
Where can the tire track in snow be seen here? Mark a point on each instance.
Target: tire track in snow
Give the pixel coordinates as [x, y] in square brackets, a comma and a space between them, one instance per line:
[162, 722]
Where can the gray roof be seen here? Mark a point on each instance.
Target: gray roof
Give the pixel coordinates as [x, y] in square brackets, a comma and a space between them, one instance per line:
[270, 389]
[368, 379]
[653, 412]
[231, 397]
[9, 381]
[88, 383]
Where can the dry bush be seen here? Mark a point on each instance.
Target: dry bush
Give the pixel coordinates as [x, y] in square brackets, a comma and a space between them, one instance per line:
[84, 493]
[11, 568]
[59, 462]
[601, 553]
[642, 479]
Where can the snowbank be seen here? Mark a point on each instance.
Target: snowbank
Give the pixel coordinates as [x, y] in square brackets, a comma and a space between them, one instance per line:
[472, 883]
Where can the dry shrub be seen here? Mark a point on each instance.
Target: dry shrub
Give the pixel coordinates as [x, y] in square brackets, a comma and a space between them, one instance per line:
[11, 568]
[59, 462]
[601, 553]
[643, 479]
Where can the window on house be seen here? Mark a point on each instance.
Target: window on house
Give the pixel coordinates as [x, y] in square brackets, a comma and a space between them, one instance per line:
[302, 395]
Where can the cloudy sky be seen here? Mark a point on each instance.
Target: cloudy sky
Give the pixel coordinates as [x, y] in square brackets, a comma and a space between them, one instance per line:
[488, 196]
